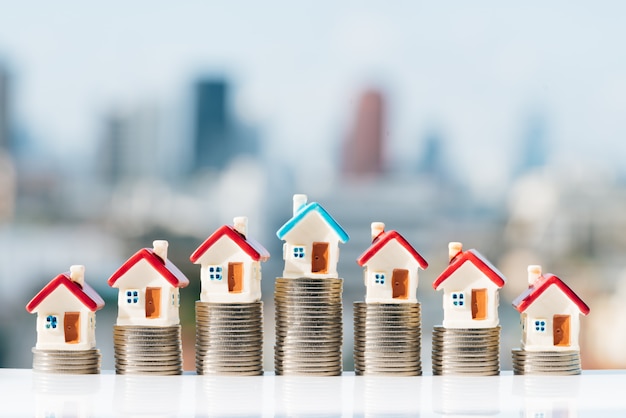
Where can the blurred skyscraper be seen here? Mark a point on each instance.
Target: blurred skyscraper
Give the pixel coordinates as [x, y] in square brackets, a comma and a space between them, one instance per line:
[362, 153]
[218, 137]
[111, 151]
[132, 145]
[432, 162]
[7, 169]
[4, 109]
[533, 152]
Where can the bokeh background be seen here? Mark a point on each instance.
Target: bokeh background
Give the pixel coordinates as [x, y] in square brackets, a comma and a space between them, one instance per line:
[500, 126]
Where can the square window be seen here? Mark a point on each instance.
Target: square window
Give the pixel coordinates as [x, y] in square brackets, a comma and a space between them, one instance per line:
[458, 299]
[132, 296]
[540, 325]
[298, 252]
[379, 278]
[52, 322]
[215, 272]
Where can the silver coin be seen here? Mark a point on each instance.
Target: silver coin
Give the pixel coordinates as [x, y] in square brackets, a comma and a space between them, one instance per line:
[391, 336]
[322, 373]
[124, 329]
[210, 369]
[149, 372]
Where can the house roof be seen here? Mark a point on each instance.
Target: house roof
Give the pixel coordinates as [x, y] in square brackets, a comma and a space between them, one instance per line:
[303, 212]
[383, 239]
[475, 258]
[85, 293]
[531, 294]
[166, 268]
[251, 247]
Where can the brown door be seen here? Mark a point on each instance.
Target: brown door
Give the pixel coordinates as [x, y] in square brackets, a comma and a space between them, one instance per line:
[71, 326]
[400, 284]
[319, 262]
[235, 277]
[479, 304]
[153, 302]
[560, 330]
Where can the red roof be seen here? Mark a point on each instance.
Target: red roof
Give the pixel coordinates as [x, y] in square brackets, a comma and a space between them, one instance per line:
[255, 250]
[381, 240]
[475, 258]
[165, 268]
[531, 294]
[85, 294]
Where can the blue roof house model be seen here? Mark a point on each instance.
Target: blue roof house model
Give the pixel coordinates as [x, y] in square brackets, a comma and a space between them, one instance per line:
[312, 240]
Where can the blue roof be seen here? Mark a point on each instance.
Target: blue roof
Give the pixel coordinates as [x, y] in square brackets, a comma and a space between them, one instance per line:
[306, 209]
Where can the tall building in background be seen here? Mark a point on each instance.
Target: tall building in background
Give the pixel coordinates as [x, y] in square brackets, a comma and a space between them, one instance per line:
[534, 147]
[132, 144]
[432, 159]
[218, 137]
[5, 143]
[363, 149]
[213, 136]
[7, 168]
[111, 152]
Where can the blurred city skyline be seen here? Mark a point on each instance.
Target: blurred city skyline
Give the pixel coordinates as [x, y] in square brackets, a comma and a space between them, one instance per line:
[473, 73]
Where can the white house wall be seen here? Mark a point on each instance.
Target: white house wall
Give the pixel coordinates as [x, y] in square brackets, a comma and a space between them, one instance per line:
[312, 228]
[464, 279]
[551, 302]
[221, 253]
[391, 256]
[141, 276]
[60, 301]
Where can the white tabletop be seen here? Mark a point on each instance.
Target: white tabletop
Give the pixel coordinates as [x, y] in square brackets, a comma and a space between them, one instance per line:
[593, 394]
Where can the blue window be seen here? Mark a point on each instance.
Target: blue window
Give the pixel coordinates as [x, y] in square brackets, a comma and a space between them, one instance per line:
[215, 272]
[379, 278]
[51, 322]
[132, 296]
[298, 252]
[458, 298]
[540, 325]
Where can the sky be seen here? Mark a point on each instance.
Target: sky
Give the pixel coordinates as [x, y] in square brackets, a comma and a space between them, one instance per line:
[473, 72]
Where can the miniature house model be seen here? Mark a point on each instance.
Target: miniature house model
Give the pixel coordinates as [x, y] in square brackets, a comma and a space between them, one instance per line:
[148, 286]
[312, 240]
[231, 265]
[66, 312]
[391, 267]
[550, 313]
[470, 290]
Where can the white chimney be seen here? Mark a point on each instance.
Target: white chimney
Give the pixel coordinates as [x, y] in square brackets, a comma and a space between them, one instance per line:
[77, 274]
[454, 248]
[534, 273]
[299, 200]
[240, 224]
[377, 229]
[160, 248]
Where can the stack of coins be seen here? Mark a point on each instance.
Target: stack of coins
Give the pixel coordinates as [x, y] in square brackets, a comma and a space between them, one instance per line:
[229, 338]
[148, 350]
[546, 362]
[387, 339]
[466, 351]
[309, 330]
[67, 361]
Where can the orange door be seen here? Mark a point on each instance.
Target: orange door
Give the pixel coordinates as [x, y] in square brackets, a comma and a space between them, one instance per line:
[235, 277]
[153, 302]
[71, 326]
[400, 284]
[319, 261]
[479, 304]
[560, 330]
